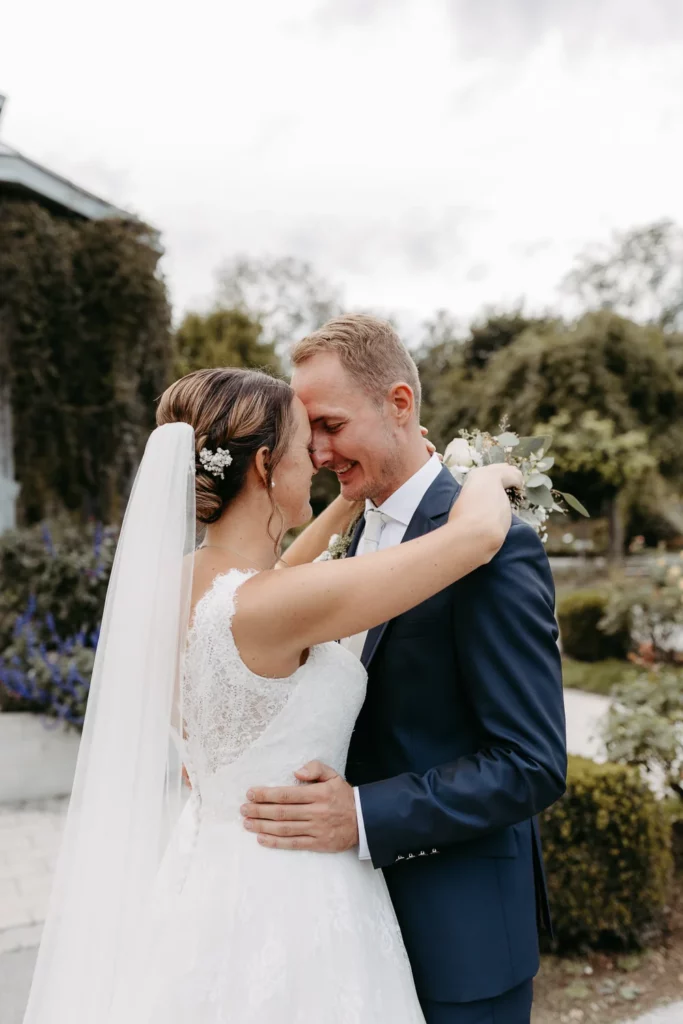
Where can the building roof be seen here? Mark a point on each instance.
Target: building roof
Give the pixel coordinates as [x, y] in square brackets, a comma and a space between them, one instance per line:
[22, 176]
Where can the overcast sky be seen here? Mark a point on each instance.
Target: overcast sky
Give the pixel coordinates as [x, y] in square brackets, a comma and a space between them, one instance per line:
[422, 153]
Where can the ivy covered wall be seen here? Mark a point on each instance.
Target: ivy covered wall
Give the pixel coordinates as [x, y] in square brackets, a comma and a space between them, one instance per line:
[85, 347]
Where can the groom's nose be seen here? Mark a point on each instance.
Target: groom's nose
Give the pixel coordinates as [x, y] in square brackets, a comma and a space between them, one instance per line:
[321, 457]
[322, 454]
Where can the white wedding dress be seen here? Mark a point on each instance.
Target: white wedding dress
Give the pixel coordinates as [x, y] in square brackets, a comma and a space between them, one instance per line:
[236, 933]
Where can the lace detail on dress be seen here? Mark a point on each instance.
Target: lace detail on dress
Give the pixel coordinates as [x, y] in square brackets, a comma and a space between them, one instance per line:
[226, 706]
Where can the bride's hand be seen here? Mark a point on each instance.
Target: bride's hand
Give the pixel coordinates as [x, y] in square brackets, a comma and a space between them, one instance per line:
[484, 500]
[431, 448]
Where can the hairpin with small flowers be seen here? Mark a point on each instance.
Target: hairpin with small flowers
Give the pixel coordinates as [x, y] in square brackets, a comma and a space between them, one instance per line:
[215, 462]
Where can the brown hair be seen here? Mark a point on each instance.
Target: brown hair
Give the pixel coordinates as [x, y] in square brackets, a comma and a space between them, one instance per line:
[241, 410]
[369, 349]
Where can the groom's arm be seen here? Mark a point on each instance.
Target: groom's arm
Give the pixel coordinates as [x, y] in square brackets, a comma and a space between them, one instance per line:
[506, 642]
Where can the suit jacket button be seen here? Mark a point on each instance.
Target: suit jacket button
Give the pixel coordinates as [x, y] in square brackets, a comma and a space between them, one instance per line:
[411, 856]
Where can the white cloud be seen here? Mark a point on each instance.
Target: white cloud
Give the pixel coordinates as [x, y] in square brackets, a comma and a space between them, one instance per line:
[424, 154]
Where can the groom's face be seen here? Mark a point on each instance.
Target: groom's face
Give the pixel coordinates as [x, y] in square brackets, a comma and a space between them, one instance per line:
[352, 435]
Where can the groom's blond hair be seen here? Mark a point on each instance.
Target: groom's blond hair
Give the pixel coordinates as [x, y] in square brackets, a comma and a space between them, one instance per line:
[369, 349]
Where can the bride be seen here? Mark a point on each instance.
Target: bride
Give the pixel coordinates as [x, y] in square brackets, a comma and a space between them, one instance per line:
[170, 914]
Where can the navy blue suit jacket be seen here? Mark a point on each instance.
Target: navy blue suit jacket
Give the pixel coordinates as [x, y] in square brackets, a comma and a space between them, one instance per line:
[460, 743]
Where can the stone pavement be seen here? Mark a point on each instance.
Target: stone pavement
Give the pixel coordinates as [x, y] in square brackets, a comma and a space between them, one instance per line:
[672, 1014]
[29, 842]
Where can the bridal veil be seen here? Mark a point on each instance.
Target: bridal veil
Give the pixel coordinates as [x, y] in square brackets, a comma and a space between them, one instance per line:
[127, 790]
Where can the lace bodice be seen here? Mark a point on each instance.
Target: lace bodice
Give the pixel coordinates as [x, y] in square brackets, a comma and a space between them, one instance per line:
[243, 729]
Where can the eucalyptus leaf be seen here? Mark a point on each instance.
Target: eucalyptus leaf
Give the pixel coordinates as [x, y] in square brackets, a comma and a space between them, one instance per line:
[540, 496]
[545, 464]
[575, 504]
[530, 445]
[496, 454]
[508, 440]
[539, 480]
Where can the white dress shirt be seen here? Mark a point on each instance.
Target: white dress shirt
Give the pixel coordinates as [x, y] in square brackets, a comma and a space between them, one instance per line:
[400, 507]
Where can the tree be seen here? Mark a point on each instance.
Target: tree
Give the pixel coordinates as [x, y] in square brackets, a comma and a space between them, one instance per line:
[639, 274]
[451, 367]
[496, 331]
[283, 294]
[224, 337]
[619, 371]
[604, 465]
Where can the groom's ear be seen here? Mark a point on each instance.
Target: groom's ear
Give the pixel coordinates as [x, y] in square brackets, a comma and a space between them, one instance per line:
[402, 402]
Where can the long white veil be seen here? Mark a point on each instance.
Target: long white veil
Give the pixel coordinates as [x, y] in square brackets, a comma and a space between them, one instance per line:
[127, 787]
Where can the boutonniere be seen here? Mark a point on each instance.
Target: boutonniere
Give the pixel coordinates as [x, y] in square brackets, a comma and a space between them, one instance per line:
[341, 542]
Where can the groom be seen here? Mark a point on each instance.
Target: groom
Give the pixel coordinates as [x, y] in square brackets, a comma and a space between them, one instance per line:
[461, 741]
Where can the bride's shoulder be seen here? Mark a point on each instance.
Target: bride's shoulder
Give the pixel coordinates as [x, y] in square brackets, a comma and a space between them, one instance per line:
[214, 576]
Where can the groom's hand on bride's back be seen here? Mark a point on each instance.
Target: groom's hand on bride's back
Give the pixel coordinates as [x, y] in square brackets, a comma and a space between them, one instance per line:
[318, 816]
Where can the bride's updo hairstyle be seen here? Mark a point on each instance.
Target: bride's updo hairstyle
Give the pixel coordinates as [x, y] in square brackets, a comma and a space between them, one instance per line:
[238, 410]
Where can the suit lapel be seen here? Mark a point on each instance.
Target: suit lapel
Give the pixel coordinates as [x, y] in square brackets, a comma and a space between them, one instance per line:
[431, 513]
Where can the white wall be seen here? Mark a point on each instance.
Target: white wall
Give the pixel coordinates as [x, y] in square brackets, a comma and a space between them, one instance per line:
[37, 760]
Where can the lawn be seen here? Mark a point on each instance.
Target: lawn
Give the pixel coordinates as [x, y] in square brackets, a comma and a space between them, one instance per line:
[601, 676]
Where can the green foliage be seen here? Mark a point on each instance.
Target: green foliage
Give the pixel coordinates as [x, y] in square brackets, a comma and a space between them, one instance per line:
[85, 347]
[451, 368]
[607, 847]
[645, 725]
[579, 615]
[224, 337]
[495, 332]
[65, 568]
[650, 612]
[53, 582]
[599, 676]
[593, 450]
[620, 371]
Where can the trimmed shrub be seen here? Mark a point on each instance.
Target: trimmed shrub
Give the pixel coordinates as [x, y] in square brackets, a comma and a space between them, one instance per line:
[579, 615]
[607, 846]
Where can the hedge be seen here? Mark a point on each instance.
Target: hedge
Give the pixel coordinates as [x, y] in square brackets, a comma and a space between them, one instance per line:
[579, 615]
[607, 847]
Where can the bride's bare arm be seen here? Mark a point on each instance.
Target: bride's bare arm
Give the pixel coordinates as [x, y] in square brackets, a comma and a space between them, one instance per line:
[312, 541]
[280, 614]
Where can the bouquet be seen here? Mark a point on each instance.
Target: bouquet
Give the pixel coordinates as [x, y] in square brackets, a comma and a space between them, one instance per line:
[530, 455]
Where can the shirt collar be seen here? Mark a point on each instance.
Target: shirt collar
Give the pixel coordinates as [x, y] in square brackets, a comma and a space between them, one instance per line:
[403, 503]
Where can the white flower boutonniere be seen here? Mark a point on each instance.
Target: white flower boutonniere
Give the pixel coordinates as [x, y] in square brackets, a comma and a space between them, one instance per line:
[340, 543]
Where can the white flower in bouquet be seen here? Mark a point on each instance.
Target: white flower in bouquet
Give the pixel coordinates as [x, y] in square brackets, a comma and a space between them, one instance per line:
[461, 456]
[530, 455]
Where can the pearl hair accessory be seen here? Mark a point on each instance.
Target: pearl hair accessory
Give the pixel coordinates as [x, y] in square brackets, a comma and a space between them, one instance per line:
[215, 462]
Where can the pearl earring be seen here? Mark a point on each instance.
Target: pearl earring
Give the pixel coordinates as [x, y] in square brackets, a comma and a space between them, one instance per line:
[272, 483]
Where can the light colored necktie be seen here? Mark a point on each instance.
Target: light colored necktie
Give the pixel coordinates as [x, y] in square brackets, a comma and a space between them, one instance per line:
[375, 521]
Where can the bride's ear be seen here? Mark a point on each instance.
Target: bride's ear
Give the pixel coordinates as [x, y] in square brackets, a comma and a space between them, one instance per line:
[261, 464]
